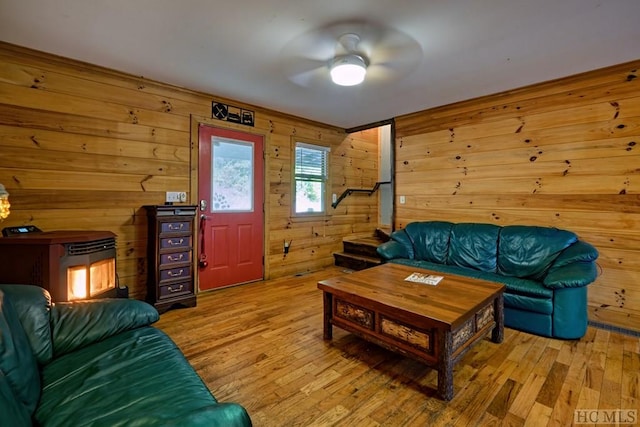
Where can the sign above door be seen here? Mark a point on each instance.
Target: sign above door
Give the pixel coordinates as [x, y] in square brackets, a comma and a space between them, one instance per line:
[230, 113]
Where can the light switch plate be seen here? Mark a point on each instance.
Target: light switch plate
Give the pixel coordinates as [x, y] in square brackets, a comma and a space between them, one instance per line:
[402, 200]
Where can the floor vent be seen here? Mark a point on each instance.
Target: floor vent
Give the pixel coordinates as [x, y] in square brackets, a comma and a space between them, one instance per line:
[614, 328]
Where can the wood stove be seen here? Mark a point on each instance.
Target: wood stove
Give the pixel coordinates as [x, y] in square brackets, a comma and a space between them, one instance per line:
[71, 265]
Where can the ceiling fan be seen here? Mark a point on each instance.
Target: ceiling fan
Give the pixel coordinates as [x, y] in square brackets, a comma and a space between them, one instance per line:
[385, 54]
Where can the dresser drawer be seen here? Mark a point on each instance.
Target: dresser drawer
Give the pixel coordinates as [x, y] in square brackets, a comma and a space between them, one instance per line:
[175, 257]
[175, 289]
[175, 227]
[175, 242]
[175, 273]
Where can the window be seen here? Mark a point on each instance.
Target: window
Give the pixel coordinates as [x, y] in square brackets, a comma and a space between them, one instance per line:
[311, 173]
[232, 163]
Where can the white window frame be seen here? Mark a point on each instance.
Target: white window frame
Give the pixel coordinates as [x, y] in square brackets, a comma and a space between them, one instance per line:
[308, 174]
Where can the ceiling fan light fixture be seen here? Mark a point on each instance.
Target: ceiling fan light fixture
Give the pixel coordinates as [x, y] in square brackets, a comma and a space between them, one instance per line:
[348, 70]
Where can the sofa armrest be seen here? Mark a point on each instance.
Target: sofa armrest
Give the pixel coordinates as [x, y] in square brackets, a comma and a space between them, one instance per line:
[578, 252]
[392, 249]
[77, 324]
[11, 407]
[573, 275]
[33, 305]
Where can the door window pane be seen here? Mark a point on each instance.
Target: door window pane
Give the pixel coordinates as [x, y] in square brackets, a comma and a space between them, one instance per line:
[231, 175]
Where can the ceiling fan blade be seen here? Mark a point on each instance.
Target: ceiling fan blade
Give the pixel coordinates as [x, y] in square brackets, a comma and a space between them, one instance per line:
[304, 60]
[395, 69]
[304, 71]
[316, 44]
[393, 56]
[310, 77]
[388, 44]
[378, 74]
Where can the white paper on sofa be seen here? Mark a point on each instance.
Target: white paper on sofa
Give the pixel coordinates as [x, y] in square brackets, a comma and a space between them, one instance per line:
[428, 279]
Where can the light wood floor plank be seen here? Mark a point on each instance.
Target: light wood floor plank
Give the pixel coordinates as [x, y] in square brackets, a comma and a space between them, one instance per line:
[539, 415]
[567, 399]
[261, 345]
[525, 399]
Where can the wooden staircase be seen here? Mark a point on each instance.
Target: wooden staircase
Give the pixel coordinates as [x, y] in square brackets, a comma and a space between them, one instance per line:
[359, 252]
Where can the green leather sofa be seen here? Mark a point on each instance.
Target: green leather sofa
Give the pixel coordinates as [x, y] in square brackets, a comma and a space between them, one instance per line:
[96, 363]
[545, 270]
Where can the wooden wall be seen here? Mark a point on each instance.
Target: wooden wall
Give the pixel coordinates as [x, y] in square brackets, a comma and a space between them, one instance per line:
[563, 153]
[83, 147]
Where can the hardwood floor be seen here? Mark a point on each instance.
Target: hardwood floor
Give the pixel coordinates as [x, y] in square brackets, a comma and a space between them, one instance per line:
[261, 345]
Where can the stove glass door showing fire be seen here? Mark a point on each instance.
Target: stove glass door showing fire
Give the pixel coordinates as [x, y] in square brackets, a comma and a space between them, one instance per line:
[89, 281]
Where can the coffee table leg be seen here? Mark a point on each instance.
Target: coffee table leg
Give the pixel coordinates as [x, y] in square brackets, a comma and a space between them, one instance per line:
[445, 366]
[497, 335]
[328, 308]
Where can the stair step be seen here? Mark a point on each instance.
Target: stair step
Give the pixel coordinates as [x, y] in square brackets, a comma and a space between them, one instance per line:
[362, 246]
[360, 250]
[383, 233]
[355, 261]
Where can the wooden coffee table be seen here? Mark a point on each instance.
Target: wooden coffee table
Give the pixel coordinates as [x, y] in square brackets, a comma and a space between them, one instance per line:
[436, 325]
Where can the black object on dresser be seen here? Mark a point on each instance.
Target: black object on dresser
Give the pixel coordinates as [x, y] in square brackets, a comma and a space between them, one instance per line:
[170, 280]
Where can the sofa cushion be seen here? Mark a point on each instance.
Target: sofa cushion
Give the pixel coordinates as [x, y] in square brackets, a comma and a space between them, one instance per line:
[17, 363]
[529, 251]
[138, 377]
[526, 287]
[76, 324]
[434, 266]
[430, 240]
[33, 305]
[521, 294]
[530, 288]
[474, 246]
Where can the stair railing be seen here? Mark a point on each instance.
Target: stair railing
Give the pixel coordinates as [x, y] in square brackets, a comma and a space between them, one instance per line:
[350, 191]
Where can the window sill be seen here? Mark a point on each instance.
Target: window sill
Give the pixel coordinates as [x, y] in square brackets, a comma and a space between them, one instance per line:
[323, 216]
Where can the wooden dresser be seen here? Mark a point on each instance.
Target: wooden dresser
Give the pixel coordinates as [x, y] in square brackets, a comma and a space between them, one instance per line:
[170, 276]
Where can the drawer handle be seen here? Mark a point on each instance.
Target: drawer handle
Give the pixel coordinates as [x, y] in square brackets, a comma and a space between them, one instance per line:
[170, 289]
[174, 274]
[174, 227]
[176, 243]
[178, 258]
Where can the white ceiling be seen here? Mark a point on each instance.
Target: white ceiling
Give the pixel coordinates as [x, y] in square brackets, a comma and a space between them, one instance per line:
[234, 49]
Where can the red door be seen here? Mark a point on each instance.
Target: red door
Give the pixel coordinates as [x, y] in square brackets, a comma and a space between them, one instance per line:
[231, 192]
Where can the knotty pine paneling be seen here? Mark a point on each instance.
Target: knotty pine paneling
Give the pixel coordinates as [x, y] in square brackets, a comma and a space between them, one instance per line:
[562, 153]
[84, 147]
[354, 163]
